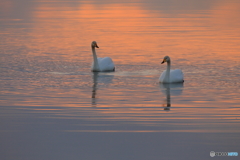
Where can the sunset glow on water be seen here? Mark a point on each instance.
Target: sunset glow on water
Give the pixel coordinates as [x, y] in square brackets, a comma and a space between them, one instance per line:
[48, 89]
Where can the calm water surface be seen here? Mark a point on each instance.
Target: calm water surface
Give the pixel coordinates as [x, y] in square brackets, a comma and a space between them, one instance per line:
[54, 107]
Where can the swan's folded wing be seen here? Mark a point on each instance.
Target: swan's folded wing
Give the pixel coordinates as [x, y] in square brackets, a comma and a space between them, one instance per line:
[106, 64]
[176, 75]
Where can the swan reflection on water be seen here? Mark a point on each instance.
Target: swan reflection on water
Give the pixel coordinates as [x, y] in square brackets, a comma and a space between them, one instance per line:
[99, 79]
[170, 89]
[94, 88]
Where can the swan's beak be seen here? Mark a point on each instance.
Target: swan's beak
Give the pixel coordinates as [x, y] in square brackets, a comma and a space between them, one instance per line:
[96, 46]
[164, 60]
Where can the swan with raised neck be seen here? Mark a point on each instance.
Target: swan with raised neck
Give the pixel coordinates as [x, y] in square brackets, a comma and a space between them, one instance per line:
[101, 64]
[170, 76]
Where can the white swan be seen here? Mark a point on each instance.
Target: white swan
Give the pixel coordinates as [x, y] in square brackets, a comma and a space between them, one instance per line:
[170, 76]
[101, 64]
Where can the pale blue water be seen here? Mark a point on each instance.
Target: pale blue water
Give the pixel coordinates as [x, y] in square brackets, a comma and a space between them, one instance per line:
[53, 107]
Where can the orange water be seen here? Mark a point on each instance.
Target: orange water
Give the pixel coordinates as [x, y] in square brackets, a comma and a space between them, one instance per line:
[46, 58]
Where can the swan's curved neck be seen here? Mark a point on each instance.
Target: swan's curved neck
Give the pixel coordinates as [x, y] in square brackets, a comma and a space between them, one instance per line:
[95, 60]
[167, 77]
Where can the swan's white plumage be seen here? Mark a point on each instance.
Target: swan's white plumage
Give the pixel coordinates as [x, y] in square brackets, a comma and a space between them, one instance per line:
[104, 64]
[171, 76]
[176, 76]
[101, 64]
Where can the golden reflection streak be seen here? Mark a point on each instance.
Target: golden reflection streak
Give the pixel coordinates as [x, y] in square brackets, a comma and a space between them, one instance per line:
[137, 35]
